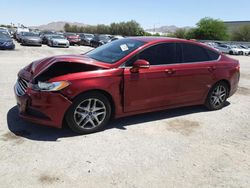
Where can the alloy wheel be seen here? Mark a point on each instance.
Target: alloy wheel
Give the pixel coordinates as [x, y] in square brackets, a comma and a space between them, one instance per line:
[90, 113]
[218, 96]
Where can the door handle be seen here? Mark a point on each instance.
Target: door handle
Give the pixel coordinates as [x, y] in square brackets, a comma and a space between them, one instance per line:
[170, 71]
[211, 69]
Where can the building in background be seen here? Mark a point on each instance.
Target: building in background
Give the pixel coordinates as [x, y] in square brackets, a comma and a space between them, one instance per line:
[235, 25]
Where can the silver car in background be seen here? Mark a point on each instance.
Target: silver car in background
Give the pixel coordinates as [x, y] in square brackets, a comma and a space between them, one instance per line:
[30, 38]
[58, 41]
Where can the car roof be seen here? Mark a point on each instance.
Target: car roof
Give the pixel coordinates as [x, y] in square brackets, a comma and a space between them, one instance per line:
[157, 39]
[154, 40]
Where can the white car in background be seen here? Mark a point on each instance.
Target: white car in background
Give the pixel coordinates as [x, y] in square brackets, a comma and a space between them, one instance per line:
[222, 48]
[245, 49]
[236, 50]
[58, 41]
[231, 49]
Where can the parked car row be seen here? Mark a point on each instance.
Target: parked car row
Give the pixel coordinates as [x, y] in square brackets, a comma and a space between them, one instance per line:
[26, 36]
[232, 49]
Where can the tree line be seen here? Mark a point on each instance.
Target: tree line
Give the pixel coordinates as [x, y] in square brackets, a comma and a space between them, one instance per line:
[130, 28]
[213, 29]
[206, 29]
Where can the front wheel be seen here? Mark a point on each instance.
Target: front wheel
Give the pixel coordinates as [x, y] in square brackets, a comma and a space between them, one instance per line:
[89, 113]
[217, 96]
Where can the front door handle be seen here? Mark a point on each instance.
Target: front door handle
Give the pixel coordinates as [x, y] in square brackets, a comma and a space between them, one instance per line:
[170, 71]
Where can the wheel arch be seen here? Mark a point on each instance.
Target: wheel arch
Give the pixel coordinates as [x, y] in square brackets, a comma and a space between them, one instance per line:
[103, 92]
[221, 80]
[226, 82]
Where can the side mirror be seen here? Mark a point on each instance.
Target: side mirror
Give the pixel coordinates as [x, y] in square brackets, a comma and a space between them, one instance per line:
[139, 64]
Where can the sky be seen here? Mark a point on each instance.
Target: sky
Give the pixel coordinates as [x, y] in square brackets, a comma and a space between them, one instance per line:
[149, 13]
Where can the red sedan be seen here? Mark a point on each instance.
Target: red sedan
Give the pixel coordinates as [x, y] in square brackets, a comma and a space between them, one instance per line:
[125, 77]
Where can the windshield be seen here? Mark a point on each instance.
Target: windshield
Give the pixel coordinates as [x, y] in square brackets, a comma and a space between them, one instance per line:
[30, 34]
[58, 37]
[244, 47]
[114, 51]
[103, 37]
[89, 36]
[4, 36]
[70, 34]
[4, 32]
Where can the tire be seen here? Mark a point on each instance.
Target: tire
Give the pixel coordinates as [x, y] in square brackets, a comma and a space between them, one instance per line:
[89, 113]
[231, 53]
[217, 96]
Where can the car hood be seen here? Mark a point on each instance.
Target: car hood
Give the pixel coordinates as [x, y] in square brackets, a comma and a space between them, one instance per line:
[39, 66]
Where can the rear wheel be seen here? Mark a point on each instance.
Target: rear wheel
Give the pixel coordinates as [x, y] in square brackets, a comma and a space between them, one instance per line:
[217, 96]
[89, 113]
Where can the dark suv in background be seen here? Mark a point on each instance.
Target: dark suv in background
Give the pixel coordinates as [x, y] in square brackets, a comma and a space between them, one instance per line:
[86, 38]
[99, 40]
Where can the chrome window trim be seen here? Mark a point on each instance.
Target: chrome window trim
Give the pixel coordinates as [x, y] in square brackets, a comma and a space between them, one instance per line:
[195, 62]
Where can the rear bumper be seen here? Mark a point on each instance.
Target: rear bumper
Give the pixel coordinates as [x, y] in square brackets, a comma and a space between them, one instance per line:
[45, 108]
[234, 83]
[74, 41]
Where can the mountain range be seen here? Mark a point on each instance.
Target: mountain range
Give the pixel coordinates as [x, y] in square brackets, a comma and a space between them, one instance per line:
[56, 26]
[59, 26]
[166, 29]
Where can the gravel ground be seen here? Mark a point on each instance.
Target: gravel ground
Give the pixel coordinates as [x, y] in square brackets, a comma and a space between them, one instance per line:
[187, 147]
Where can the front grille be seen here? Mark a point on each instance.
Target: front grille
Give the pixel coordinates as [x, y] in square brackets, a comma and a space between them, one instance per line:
[21, 86]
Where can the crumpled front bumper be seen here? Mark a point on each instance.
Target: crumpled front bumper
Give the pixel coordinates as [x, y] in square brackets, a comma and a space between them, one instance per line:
[46, 108]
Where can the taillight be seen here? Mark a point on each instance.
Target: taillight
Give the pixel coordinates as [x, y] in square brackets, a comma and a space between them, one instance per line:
[238, 68]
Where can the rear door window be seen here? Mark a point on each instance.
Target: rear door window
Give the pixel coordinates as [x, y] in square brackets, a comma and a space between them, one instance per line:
[212, 55]
[194, 53]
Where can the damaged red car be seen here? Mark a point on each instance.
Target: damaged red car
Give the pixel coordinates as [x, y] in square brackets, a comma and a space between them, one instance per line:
[125, 77]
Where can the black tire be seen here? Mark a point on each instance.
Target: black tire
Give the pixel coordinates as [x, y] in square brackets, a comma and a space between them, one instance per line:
[231, 53]
[213, 96]
[85, 124]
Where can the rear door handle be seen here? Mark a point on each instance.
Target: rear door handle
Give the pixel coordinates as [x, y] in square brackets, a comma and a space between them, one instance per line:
[211, 69]
[170, 71]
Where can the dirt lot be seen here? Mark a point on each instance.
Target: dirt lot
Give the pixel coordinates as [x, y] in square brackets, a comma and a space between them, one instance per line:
[187, 147]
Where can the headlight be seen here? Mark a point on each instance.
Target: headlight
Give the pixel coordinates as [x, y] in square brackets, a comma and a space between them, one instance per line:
[52, 86]
[7, 43]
